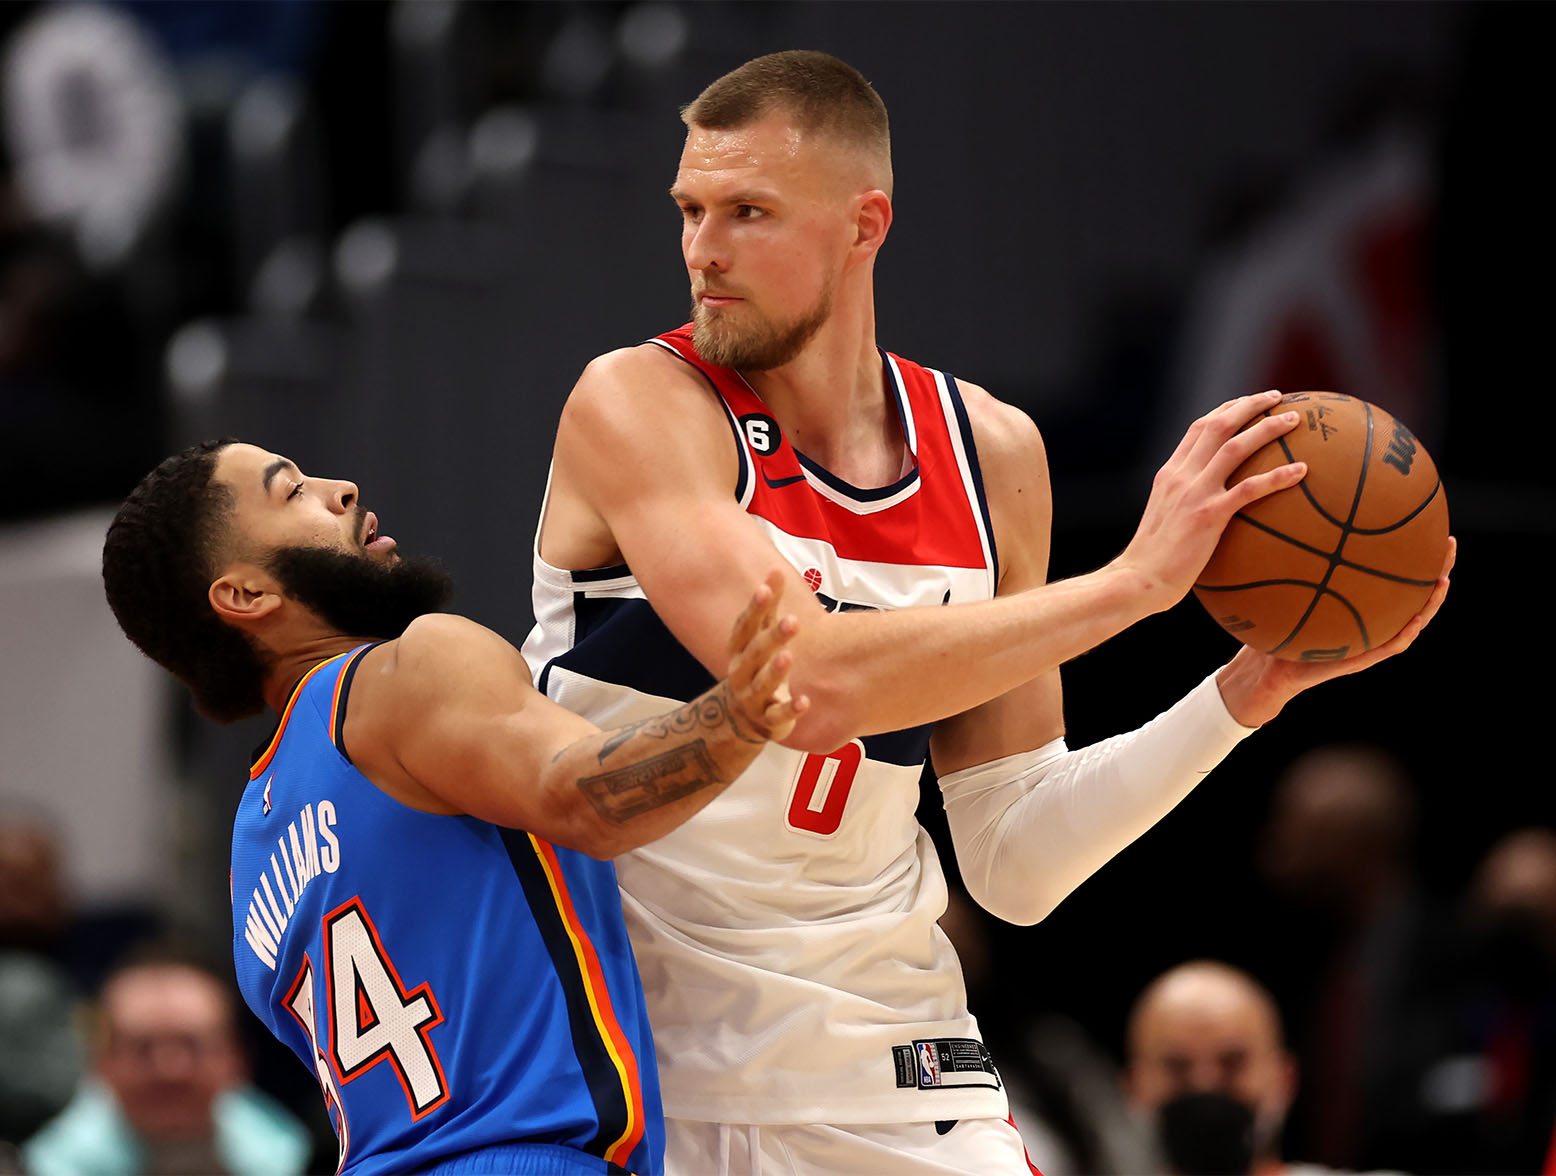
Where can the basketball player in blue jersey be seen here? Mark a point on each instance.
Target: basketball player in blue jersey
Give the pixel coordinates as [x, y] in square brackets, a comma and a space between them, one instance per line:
[809, 1015]
[423, 905]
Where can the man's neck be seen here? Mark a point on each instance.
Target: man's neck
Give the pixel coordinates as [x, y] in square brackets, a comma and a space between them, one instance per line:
[832, 402]
[288, 668]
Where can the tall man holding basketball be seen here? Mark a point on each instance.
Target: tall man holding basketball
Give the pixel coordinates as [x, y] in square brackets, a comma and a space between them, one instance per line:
[808, 1014]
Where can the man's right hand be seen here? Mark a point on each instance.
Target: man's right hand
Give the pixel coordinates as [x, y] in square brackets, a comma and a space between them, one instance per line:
[1190, 503]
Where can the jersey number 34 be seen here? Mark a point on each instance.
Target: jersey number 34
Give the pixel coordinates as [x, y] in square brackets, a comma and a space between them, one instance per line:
[369, 1018]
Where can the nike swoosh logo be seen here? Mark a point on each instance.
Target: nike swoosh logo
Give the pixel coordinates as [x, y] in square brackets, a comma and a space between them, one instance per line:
[780, 483]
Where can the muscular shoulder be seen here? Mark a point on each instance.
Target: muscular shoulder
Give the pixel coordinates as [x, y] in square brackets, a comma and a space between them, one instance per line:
[1010, 448]
[439, 655]
[636, 414]
[634, 382]
[1014, 465]
[1003, 433]
[435, 638]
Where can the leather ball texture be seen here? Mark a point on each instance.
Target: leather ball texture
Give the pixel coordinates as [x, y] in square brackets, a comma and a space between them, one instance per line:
[1339, 563]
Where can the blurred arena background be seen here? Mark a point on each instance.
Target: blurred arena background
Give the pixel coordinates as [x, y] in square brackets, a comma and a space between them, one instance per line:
[383, 238]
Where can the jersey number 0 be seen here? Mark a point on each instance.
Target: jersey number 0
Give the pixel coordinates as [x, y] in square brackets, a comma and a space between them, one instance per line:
[821, 789]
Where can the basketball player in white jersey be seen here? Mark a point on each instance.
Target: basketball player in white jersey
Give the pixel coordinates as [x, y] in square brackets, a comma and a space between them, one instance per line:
[809, 1016]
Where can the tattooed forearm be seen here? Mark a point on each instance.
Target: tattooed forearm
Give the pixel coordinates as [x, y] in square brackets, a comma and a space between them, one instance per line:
[636, 788]
[707, 712]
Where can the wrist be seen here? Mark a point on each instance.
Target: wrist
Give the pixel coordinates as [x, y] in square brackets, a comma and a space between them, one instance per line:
[1120, 587]
[1246, 692]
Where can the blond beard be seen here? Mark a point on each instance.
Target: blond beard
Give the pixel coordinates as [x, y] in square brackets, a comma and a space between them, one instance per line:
[760, 347]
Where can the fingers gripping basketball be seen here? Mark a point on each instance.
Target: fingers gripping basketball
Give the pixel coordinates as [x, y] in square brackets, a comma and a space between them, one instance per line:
[1339, 563]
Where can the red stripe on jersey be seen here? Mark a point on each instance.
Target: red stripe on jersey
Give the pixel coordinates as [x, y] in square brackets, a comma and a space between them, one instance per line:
[933, 524]
[1026, 1155]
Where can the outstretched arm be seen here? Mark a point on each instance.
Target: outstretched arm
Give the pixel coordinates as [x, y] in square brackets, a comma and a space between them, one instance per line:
[446, 720]
[644, 471]
[1030, 818]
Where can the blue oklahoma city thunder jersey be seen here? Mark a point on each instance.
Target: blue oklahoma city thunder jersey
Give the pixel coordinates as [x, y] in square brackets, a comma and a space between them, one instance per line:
[453, 985]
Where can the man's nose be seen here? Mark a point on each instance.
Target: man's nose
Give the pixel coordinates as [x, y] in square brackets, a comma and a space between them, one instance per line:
[345, 496]
[1205, 1079]
[706, 247]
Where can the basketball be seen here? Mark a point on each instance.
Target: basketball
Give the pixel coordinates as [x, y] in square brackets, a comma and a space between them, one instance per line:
[1339, 563]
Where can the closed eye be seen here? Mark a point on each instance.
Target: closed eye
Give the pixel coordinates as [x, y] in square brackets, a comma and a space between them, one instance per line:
[296, 490]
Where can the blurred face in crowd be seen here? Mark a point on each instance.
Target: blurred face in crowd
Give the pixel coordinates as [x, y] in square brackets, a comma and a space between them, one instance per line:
[768, 217]
[1511, 909]
[1207, 1029]
[167, 1049]
[1339, 823]
[32, 896]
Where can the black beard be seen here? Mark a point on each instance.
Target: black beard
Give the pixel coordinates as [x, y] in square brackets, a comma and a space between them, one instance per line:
[358, 595]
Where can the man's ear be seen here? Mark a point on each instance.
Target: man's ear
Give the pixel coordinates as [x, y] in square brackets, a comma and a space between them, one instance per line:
[244, 594]
[872, 221]
[1286, 1087]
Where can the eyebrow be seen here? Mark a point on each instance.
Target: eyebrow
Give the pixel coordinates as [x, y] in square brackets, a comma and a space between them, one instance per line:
[275, 468]
[746, 196]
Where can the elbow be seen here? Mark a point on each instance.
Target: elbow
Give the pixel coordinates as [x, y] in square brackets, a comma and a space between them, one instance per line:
[600, 839]
[1020, 905]
[591, 837]
[821, 737]
[833, 719]
[568, 819]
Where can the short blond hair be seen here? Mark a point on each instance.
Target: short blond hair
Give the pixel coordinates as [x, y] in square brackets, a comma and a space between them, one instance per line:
[817, 91]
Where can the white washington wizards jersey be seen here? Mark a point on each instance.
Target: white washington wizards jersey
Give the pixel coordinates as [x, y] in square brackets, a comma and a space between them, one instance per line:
[787, 934]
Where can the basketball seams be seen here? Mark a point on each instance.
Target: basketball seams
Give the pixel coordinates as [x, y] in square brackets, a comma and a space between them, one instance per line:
[1302, 549]
[1318, 507]
[1394, 526]
[1335, 558]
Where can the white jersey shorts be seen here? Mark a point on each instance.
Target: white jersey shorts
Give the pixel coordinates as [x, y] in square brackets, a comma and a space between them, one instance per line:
[963, 1147]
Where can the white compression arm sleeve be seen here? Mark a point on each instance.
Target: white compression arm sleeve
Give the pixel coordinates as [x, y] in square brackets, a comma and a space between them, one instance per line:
[1030, 828]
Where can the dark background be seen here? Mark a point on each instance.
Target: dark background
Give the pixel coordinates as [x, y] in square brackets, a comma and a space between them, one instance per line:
[400, 231]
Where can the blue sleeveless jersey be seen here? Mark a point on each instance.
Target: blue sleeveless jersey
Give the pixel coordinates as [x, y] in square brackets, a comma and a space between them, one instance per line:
[454, 986]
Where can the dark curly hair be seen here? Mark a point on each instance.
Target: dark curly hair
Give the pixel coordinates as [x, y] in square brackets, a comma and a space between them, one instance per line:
[159, 558]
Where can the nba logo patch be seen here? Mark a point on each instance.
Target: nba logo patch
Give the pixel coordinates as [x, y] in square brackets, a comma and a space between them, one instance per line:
[928, 1064]
[267, 795]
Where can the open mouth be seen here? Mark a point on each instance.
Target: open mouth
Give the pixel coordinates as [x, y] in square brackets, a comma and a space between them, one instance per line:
[371, 539]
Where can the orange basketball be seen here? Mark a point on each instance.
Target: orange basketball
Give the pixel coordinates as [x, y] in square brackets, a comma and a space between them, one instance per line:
[1340, 562]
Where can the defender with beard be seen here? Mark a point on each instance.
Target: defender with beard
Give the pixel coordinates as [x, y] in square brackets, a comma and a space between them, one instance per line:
[809, 1014]
[423, 906]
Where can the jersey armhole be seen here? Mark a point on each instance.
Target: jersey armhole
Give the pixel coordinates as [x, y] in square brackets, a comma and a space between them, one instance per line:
[744, 483]
[970, 448]
[342, 690]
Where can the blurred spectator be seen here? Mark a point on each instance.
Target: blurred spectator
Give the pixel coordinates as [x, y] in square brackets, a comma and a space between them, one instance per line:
[76, 197]
[169, 1092]
[1208, 1070]
[1374, 979]
[94, 127]
[1494, 1094]
[1063, 1091]
[40, 1052]
[72, 374]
